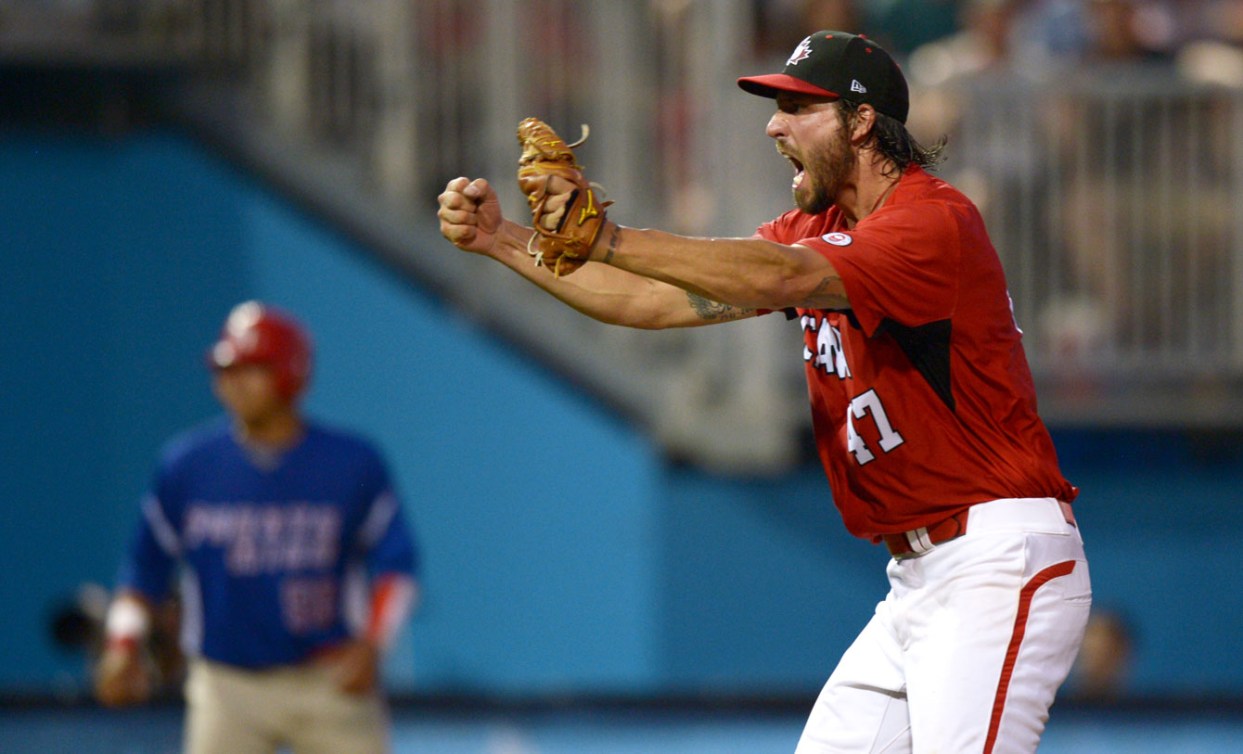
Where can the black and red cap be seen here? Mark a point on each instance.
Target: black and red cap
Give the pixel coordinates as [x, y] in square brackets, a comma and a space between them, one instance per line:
[841, 65]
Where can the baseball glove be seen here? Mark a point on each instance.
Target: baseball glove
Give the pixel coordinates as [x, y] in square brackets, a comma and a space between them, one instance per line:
[564, 234]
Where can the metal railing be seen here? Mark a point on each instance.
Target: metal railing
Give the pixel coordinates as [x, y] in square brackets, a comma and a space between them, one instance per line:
[1114, 200]
[1112, 195]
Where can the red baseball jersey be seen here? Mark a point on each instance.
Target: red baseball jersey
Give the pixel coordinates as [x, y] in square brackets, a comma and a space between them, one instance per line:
[921, 397]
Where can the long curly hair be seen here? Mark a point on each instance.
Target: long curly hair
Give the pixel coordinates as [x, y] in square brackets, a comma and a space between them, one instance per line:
[891, 139]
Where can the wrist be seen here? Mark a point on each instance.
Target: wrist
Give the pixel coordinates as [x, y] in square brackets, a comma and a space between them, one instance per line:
[513, 239]
[606, 243]
[123, 644]
[127, 623]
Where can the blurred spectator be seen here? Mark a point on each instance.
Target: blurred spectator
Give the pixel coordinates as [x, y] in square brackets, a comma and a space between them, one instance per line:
[1102, 670]
[1222, 20]
[833, 14]
[1049, 33]
[780, 24]
[957, 81]
[981, 43]
[898, 25]
[1142, 212]
[901, 26]
[1056, 34]
[970, 87]
[1212, 52]
[1129, 31]
[1105, 191]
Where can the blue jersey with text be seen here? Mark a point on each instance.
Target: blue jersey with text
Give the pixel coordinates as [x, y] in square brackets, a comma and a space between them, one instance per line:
[277, 551]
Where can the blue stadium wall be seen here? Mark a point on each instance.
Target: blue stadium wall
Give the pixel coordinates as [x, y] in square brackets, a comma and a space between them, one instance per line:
[619, 574]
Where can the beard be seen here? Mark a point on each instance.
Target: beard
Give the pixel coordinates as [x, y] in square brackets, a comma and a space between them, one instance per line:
[826, 172]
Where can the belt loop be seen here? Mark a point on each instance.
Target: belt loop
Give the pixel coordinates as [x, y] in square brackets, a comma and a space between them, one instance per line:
[1068, 513]
[919, 540]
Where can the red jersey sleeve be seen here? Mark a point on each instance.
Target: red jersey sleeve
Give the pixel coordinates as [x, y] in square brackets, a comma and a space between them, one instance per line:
[899, 263]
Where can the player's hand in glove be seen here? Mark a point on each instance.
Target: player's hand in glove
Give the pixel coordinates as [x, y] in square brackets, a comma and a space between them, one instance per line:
[470, 214]
[124, 675]
[567, 211]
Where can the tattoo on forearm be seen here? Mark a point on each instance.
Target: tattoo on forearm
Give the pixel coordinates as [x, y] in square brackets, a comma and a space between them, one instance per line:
[715, 310]
[824, 295]
[614, 238]
[822, 287]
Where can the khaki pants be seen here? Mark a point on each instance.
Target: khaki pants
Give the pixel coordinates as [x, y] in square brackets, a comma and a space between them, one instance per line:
[235, 711]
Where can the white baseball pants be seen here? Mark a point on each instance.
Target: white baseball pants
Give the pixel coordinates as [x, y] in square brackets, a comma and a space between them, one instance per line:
[968, 649]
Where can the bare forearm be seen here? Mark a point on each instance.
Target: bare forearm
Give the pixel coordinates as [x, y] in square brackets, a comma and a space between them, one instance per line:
[748, 273]
[470, 218]
[611, 294]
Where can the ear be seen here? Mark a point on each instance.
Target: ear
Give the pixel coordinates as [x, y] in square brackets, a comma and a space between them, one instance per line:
[864, 122]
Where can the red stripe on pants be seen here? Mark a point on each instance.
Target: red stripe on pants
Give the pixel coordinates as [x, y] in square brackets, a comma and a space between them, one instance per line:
[1016, 640]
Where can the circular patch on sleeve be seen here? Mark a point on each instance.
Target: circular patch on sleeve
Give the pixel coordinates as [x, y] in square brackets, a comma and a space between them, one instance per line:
[837, 239]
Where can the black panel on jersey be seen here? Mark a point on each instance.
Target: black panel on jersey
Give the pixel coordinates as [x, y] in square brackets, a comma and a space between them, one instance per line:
[928, 348]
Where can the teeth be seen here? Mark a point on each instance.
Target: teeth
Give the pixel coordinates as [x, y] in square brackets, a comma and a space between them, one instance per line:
[795, 163]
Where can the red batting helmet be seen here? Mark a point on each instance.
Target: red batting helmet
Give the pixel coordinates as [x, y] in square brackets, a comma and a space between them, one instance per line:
[256, 333]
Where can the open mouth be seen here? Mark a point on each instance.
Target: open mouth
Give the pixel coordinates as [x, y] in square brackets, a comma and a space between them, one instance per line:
[799, 171]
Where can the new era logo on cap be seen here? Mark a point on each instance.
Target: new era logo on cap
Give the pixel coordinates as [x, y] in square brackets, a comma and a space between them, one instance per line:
[835, 64]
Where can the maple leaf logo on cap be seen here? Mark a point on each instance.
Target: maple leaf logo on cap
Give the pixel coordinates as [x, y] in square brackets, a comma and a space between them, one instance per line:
[802, 52]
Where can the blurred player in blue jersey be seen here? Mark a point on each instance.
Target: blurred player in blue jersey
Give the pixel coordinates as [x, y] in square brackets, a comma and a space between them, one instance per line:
[296, 564]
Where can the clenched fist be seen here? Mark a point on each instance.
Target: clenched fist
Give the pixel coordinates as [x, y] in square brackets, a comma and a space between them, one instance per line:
[470, 214]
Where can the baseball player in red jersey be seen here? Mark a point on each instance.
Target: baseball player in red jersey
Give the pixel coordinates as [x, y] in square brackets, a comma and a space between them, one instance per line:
[922, 401]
